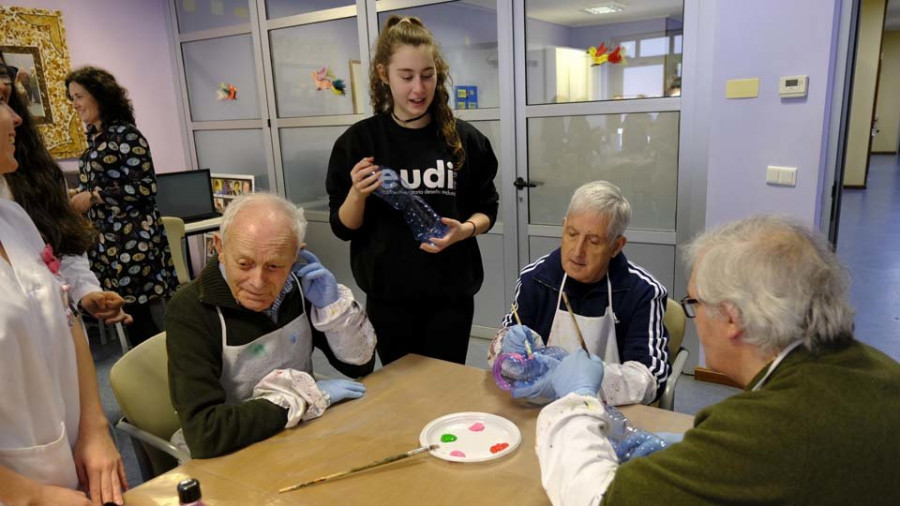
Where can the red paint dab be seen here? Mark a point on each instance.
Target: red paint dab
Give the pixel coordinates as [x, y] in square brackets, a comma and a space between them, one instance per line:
[499, 447]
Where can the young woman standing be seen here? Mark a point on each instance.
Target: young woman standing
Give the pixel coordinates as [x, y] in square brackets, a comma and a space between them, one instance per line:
[420, 296]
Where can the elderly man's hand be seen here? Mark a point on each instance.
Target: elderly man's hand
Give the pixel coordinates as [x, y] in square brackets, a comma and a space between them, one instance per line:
[580, 372]
[319, 285]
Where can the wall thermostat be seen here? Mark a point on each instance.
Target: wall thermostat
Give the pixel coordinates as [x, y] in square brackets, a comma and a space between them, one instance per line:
[793, 86]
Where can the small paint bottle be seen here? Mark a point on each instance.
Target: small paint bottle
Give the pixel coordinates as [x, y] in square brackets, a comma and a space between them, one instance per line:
[189, 493]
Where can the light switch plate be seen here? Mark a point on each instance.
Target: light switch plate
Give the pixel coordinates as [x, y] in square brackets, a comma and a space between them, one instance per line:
[781, 176]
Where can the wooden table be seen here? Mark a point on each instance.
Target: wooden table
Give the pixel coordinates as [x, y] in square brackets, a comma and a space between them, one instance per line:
[400, 400]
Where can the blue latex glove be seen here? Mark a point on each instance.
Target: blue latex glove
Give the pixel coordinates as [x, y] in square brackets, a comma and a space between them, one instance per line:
[319, 285]
[638, 443]
[515, 338]
[670, 438]
[579, 373]
[341, 389]
[543, 385]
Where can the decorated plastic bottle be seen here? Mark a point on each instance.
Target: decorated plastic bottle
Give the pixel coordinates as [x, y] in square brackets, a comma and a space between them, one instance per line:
[189, 493]
[515, 370]
[421, 219]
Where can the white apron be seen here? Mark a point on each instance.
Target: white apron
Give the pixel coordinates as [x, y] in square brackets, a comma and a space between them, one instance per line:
[599, 332]
[243, 367]
[40, 408]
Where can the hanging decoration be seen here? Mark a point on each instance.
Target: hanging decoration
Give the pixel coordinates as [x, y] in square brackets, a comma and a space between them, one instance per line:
[226, 92]
[601, 54]
[326, 80]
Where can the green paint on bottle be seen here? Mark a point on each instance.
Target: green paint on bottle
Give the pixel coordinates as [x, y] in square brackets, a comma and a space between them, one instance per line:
[448, 438]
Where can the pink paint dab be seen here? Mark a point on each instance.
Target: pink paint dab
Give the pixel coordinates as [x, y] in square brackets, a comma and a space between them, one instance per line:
[477, 427]
[457, 453]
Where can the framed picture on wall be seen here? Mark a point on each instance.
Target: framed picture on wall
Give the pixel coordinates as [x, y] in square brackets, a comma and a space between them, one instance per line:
[30, 80]
[227, 187]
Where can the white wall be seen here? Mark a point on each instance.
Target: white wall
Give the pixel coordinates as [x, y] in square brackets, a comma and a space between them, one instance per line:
[129, 38]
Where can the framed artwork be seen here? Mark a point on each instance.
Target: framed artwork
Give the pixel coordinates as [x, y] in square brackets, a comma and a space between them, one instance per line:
[34, 41]
[227, 187]
[30, 81]
[209, 248]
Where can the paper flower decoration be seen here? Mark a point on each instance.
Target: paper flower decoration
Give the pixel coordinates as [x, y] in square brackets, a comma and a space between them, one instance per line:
[50, 259]
[226, 92]
[599, 55]
[326, 80]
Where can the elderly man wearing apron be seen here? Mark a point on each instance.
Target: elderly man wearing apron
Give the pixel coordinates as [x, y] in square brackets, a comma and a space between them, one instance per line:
[618, 305]
[241, 335]
[816, 423]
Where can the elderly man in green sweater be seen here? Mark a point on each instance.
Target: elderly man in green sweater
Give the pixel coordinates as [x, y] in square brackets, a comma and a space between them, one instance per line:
[241, 335]
[817, 423]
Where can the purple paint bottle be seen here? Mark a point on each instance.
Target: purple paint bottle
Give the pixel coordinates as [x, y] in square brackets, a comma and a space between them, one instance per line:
[189, 493]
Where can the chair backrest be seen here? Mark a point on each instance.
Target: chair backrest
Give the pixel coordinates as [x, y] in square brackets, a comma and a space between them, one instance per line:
[140, 382]
[674, 321]
[175, 232]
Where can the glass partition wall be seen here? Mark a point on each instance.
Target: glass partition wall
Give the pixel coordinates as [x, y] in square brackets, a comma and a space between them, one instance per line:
[566, 93]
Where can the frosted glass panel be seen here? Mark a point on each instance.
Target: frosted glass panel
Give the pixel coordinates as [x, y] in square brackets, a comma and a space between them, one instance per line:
[638, 152]
[234, 152]
[304, 155]
[299, 55]
[467, 33]
[283, 8]
[208, 64]
[491, 130]
[559, 35]
[194, 15]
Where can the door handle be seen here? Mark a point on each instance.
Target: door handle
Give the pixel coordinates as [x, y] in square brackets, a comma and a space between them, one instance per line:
[520, 183]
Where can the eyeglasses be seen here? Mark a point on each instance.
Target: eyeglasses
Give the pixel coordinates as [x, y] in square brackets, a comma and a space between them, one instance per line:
[8, 73]
[687, 304]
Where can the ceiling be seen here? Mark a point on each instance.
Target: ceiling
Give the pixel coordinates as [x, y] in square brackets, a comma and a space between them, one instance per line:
[571, 13]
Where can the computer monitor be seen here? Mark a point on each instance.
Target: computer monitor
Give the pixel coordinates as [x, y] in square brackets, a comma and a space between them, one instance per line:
[186, 195]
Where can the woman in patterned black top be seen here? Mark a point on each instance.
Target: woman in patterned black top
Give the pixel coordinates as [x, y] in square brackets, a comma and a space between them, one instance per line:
[117, 190]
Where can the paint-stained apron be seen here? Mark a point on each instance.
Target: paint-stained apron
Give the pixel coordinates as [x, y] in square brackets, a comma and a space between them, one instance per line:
[599, 332]
[243, 367]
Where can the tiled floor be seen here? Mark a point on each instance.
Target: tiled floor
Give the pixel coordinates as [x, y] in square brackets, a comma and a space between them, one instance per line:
[869, 244]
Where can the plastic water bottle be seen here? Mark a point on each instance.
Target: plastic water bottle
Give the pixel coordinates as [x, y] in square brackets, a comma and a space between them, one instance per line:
[421, 219]
[513, 369]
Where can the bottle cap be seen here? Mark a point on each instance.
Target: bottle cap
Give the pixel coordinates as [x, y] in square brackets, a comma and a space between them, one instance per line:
[189, 491]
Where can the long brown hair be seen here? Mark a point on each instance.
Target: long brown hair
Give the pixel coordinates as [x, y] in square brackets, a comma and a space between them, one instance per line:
[411, 31]
[111, 97]
[40, 188]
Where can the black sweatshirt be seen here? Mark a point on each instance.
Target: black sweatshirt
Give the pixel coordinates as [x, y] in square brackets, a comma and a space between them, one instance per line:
[385, 257]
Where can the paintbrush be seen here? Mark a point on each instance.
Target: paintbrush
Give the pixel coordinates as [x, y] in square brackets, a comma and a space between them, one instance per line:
[574, 322]
[377, 463]
[515, 312]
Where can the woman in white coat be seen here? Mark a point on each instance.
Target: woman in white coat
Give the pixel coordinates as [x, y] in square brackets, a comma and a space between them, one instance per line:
[54, 437]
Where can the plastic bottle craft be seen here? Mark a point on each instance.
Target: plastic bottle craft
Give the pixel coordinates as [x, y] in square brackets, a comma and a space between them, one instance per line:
[515, 370]
[626, 438]
[421, 219]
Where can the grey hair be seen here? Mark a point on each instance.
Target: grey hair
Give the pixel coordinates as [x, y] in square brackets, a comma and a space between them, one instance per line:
[603, 197]
[293, 213]
[783, 280]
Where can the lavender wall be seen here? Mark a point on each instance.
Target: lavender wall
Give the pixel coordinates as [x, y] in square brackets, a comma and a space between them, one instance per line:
[769, 39]
[130, 39]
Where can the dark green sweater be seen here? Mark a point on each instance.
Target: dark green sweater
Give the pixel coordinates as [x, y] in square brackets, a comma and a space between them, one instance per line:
[822, 430]
[194, 344]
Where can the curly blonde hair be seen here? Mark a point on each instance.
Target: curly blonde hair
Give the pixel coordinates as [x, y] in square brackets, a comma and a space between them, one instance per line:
[410, 30]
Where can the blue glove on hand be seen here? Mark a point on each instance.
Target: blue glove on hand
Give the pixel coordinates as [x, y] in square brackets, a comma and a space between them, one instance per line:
[341, 389]
[515, 339]
[578, 373]
[543, 385]
[638, 443]
[319, 285]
